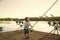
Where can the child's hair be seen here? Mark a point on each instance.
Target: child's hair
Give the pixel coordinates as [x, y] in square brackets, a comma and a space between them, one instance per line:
[26, 18]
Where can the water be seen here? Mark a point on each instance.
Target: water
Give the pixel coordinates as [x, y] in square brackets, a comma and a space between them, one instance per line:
[12, 26]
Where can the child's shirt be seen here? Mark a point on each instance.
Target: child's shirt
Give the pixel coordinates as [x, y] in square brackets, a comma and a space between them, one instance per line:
[26, 25]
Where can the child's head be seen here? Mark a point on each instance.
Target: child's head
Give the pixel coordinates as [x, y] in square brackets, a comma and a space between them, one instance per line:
[27, 19]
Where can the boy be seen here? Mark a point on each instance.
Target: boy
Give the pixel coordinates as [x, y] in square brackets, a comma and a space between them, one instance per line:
[26, 27]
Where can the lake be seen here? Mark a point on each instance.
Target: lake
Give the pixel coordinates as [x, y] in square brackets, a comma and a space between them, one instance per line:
[12, 26]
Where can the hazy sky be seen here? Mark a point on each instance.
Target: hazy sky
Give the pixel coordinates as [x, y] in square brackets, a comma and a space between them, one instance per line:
[30, 8]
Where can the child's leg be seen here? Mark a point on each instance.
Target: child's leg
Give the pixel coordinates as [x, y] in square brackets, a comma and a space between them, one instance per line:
[24, 33]
[27, 33]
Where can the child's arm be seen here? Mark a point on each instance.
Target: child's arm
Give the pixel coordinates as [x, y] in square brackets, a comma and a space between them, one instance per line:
[31, 26]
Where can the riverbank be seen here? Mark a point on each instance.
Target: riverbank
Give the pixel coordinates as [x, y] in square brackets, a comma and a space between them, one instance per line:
[35, 35]
[33, 19]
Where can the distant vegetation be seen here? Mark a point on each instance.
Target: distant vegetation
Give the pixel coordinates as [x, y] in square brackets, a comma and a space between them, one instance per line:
[32, 19]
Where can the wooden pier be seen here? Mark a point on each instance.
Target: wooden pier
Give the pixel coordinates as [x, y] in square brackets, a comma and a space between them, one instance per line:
[35, 35]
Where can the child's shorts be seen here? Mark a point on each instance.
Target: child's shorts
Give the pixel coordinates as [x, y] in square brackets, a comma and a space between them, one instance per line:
[26, 31]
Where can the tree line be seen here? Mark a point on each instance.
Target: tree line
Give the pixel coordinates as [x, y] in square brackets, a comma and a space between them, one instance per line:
[32, 19]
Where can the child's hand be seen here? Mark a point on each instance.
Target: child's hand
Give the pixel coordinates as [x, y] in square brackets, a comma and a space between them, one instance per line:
[31, 26]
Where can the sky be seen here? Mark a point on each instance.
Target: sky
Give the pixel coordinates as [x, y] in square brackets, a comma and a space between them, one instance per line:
[28, 8]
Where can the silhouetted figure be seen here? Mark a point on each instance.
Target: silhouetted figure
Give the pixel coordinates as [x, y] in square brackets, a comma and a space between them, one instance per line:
[22, 22]
[19, 22]
[59, 23]
[56, 26]
[16, 20]
[54, 23]
[49, 22]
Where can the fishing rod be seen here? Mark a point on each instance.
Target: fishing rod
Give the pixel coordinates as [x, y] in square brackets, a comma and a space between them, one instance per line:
[49, 21]
[46, 11]
[53, 16]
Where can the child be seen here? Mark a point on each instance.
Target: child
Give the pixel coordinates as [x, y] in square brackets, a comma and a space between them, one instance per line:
[26, 27]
